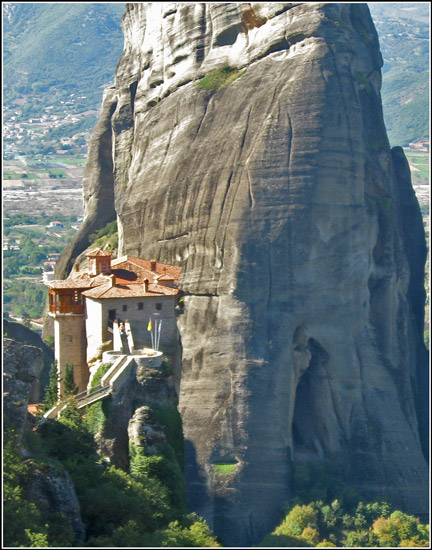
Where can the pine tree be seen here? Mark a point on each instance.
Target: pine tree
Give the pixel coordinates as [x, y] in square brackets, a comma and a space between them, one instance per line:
[51, 390]
[69, 385]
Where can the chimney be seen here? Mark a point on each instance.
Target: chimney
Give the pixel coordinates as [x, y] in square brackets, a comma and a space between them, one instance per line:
[145, 284]
[99, 262]
[111, 279]
[153, 265]
[77, 266]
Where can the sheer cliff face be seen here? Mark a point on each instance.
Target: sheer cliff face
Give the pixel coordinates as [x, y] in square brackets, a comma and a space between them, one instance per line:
[300, 240]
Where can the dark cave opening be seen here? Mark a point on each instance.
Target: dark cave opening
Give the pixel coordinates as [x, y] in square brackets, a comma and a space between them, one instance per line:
[308, 426]
[297, 439]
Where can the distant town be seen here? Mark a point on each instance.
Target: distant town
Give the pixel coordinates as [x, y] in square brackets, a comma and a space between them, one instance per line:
[34, 129]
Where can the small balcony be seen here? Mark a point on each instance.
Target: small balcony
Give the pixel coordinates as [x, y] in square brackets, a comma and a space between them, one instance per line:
[71, 303]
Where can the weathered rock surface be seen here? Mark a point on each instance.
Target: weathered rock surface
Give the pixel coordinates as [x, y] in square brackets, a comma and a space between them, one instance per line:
[145, 431]
[22, 366]
[300, 241]
[98, 187]
[52, 489]
[129, 418]
[20, 333]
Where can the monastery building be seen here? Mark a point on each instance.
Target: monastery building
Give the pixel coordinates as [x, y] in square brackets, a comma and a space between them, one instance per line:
[86, 306]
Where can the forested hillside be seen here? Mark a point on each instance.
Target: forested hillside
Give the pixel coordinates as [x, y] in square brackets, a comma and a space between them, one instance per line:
[52, 49]
[403, 31]
[57, 60]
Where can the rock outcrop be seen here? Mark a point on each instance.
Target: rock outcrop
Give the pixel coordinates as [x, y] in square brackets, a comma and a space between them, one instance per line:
[145, 431]
[98, 180]
[128, 417]
[300, 241]
[22, 366]
[20, 333]
[52, 490]
[49, 487]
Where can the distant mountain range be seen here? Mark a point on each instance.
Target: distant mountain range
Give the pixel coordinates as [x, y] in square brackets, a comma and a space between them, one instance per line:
[51, 50]
[54, 49]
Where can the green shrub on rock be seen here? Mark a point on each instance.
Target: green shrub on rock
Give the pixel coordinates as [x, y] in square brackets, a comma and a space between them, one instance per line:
[165, 470]
[220, 78]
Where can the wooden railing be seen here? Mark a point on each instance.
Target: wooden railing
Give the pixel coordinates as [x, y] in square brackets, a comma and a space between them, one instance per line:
[66, 308]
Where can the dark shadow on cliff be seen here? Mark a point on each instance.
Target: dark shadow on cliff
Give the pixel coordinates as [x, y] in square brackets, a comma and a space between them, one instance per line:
[416, 253]
[198, 497]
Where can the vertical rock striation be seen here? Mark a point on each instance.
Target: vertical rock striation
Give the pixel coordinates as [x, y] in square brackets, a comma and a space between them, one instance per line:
[301, 245]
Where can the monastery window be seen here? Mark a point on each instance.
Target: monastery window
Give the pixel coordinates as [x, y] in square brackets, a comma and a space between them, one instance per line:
[140, 305]
[112, 315]
[77, 297]
[124, 308]
[158, 306]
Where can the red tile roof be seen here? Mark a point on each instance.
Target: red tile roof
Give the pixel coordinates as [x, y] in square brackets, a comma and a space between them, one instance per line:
[136, 265]
[99, 252]
[78, 281]
[68, 283]
[129, 290]
[129, 276]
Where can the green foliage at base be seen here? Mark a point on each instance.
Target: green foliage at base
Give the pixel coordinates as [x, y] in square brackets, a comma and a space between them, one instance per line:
[326, 512]
[170, 420]
[220, 78]
[70, 388]
[369, 525]
[67, 436]
[189, 532]
[97, 414]
[143, 508]
[100, 373]
[193, 532]
[163, 468]
[25, 523]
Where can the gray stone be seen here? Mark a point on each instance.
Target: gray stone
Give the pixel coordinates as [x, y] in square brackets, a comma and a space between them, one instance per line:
[129, 418]
[290, 216]
[20, 333]
[22, 366]
[144, 431]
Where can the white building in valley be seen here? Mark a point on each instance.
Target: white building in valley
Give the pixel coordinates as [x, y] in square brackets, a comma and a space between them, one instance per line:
[126, 290]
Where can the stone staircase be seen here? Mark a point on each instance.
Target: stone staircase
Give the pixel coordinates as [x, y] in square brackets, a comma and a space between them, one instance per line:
[110, 383]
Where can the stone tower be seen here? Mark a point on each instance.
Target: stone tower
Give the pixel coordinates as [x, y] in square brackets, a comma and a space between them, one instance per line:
[66, 307]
